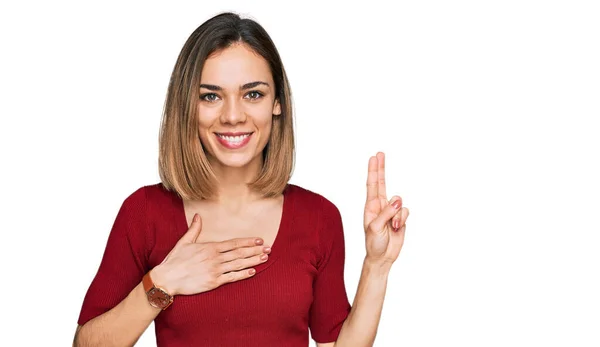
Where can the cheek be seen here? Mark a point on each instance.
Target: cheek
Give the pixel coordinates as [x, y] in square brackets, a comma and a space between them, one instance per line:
[206, 120]
[261, 113]
[208, 116]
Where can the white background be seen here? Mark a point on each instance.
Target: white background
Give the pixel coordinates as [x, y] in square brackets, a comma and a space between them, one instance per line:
[486, 110]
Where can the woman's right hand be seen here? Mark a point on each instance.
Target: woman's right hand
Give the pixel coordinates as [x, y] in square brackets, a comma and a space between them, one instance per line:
[192, 268]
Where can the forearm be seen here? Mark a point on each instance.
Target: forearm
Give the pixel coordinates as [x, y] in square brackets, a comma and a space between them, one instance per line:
[360, 327]
[121, 326]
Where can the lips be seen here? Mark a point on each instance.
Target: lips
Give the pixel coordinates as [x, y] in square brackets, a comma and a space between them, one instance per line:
[234, 140]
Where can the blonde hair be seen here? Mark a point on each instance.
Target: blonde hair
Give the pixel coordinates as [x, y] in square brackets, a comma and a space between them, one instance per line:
[182, 161]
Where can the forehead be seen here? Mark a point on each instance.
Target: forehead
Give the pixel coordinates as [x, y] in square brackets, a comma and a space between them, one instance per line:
[235, 66]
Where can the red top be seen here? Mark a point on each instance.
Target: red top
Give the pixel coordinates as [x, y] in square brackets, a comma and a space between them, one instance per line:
[301, 286]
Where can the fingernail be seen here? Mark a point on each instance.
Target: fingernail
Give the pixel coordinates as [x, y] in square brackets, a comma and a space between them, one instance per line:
[396, 224]
[258, 242]
[252, 271]
[397, 204]
[267, 250]
[196, 217]
[264, 257]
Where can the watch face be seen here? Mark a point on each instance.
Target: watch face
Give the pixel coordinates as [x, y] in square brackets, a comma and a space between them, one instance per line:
[158, 298]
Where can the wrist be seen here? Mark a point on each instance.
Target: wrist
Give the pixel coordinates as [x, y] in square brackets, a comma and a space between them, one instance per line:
[376, 267]
[160, 279]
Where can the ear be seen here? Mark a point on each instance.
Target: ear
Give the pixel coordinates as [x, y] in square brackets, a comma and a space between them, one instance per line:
[277, 108]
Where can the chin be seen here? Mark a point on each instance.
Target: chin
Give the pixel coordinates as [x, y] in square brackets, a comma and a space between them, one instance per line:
[237, 160]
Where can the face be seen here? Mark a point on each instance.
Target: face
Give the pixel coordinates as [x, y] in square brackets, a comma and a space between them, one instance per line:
[236, 107]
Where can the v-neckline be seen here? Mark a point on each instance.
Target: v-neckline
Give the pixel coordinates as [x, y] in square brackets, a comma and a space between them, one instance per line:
[280, 244]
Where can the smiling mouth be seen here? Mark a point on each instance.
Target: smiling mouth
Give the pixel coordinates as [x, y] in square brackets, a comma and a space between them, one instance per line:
[233, 140]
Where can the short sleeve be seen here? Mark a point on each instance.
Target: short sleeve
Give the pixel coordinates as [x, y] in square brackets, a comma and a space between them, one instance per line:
[123, 264]
[330, 306]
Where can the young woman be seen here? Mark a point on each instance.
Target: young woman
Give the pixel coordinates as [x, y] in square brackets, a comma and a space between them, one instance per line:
[224, 251]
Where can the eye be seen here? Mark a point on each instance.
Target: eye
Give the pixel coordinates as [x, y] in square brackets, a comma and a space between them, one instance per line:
[254, 95]
[209, 97]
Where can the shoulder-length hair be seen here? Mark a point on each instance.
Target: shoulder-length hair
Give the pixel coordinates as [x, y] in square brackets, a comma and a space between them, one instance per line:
[183, 166]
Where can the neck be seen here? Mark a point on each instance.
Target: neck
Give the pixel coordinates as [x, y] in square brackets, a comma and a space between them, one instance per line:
[232, 188]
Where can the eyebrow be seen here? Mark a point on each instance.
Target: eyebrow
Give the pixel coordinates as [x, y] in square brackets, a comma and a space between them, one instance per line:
[243, 87]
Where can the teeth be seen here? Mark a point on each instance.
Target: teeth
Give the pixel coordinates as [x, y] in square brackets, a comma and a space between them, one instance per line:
[234, 139]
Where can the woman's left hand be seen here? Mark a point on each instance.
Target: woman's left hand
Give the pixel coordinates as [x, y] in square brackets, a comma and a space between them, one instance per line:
[384, 221]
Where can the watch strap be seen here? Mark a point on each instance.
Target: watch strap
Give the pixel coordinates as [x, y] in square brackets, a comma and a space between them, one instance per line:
[147, 282]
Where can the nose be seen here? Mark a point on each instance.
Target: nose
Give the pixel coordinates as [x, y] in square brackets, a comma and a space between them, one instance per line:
[232, 113]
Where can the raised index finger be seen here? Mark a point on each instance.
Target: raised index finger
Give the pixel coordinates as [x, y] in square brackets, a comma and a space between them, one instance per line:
[228, 245]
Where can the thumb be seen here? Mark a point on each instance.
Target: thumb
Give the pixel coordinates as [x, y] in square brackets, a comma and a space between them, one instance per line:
[193, 232]
[385, 216]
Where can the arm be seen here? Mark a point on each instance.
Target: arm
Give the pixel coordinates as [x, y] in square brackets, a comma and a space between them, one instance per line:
[360, 328]
[121, 326]
[115, 310]
[385, 225]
